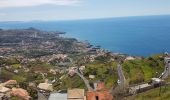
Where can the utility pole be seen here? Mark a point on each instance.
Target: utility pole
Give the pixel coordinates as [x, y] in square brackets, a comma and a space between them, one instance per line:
[160, 89]
[0, 70]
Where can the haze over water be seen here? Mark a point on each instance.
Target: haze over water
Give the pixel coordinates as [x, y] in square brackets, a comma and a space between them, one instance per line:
[142, 36]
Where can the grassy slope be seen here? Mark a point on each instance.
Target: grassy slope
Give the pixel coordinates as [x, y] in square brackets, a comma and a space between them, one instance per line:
[153, 94]
[102, 71]
[140, 70]
[136, 71]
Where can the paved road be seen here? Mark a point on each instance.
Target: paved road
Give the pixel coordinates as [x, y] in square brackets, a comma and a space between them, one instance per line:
[120, 74]
[166, 72]
[86, 82]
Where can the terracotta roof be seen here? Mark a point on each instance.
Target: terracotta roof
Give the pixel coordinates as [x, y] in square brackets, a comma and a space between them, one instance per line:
[10, 82]
[20, 92]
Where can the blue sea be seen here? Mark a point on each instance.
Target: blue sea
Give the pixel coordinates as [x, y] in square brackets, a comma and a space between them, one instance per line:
[142, 36]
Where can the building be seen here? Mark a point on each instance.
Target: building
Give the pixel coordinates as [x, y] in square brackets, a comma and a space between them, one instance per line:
[10, 82]
[4, 89]
[100, 93]
[2, 95]
[91, 76]
[76, 94]
[82, 68]
[58, 96]
[129, 58]
[45, 86]
[156, 82]
[167, 59]
[140, 88]
[20, 93]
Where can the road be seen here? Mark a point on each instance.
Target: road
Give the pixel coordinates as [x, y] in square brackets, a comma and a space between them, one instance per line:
[166, 72]
[121, 75]
[86, 82]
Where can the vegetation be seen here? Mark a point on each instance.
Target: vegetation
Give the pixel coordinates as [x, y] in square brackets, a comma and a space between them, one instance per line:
[72, 82]
[155, 94]
[144, 69]
[102, 71]
[36, 53]
[16, 98]
[136, 71]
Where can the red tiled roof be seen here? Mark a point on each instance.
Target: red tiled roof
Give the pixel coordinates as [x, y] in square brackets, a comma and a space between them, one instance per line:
[11, 82]
[20, 93]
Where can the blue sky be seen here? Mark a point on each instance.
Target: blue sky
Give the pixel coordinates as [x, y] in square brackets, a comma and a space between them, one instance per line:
[27, 10]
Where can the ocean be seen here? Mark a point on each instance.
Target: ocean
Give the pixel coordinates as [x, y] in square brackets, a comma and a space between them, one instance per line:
[140, 36]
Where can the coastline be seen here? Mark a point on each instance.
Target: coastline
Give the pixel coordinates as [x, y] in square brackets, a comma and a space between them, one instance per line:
[123, 35]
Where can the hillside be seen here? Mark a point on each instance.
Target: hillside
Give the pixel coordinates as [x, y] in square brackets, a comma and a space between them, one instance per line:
[31, 57]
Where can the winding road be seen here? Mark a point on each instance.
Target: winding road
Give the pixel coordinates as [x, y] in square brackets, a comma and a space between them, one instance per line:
[121, 75]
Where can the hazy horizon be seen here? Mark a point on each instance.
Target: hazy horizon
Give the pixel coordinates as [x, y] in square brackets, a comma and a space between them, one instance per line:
[49, 10]
[121, 17]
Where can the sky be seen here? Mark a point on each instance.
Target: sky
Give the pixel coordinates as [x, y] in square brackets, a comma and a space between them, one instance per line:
[47, 10]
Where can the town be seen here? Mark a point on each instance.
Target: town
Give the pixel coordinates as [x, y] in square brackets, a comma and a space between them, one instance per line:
[44, 65]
